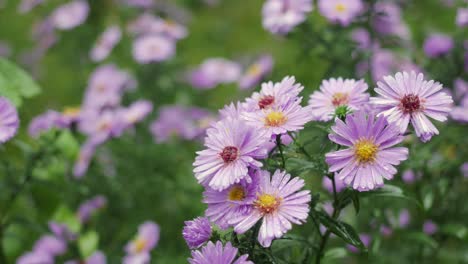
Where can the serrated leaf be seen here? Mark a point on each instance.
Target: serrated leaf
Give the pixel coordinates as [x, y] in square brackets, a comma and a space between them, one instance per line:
[15, 83]
[341, 229]
[88, 243]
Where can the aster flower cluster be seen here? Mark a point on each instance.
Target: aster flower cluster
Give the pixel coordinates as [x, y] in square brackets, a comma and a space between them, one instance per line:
[101, 115]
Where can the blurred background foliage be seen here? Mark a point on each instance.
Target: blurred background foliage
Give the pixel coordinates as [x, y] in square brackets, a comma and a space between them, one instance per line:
[150, 181]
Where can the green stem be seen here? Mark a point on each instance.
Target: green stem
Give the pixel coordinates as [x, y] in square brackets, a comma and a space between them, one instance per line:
[301, 148]
[280, 148]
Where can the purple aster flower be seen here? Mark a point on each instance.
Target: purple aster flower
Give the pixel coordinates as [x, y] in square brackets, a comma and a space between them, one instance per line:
[274, 95]
[197, 232]
[429, 227]
[236, 200]
[101, 126]
[366, 240]
[232, 110]
[255, 72]
[35, 257]
[5, 49]
[136, 112]
[88, 207]
[70, 15]
[50, 245]
[404, 218]
[460, 113]
[44, 122]
[145, 240]
[142, 258]
[389, 21]
[462, 17]
[84, 158]
[335, 93]
[362, 38]
[187, 122]
[461, 88]
[9, 120]
[370, 156]
[437, 45]
[218, 254]
[151, 48]
[96, 258]
[279, 203]
[328, 184]
[61, 231]
[287, 117]
[385, 230]
[408, 176]
[281, 16]
[464, 169]
[232, 147]
[166, 27]
[27, 5]
[214, 71]
[105, 43]
[407, 97]
[340, 11]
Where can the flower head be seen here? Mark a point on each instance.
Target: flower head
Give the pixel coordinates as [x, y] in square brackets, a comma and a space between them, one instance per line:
[153, 48]
[218, 254]
[136, 112]
[50, 245]
[236, 200]
[370, 156]
[146, 239]
[197, 232]
[35, 257]
[232, 147]
[279, 202]
[281, 16]
[335, 93]
[214, 71]
[407, 97]
[255, 72]
[429, 227]
[388, 20]
[9, 120]
[437, 45]
[70, 15]
[340, 11]
[106, 42]
[462, 17]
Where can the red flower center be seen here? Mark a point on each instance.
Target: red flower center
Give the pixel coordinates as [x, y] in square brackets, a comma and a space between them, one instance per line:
[229, 154]
[266, 101]
[410, 103]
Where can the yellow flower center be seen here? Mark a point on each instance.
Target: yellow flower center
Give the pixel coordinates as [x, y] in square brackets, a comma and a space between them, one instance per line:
[254, 70]
[236, 193]
[340, 7]
[140, 245]
[275, 119]
[267, 203]
[365, 150]
[71, 111]
[339, 99]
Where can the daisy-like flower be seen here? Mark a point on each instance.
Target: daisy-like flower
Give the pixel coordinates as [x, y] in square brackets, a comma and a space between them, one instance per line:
[106, 43]
[9, 121]
[50, 244]
[281, 16]
[70, 15]
[255, 72]
[135, 113]
[197, 232]
[236, 200]
[232, 147]
[407, 97]
[218, 254]
[101, 126]
[279, 203]
[274, 94]
[152, 48]
[370, 156]
[437, 45]
[287, 117]
[145, 241]
[214, 71]
[232, 110]
[335, 93]
[340, 11]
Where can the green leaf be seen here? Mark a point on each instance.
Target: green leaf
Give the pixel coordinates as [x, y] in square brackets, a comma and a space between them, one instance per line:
[341, 229]
[88, 243]
[335, 253]
[64, 215]
[422, 238]
[15, 83]
[390, 191]
[68, 144]
[456, 230]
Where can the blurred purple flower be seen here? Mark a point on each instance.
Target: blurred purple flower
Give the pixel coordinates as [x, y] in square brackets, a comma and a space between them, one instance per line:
[464, 169]
[336, 93]
[389, 21]
[186, 122]
[214, 71]
[89, 207]
[461, 88]
[146, 239]
[51, 245]
[148, 24]
[370, 155]
[44, 122]
[437, 45]
[408, 176]
[341, 12]
[281, 16]
[9, 120]
[327, 184]
[101, 126]
[84, 158]
[385, 230]
[151, 48]
[70, 15]
[196, 232]
[135, 113]
[407, 97]
[404, 218]
[5, 49]
[35, 257]
[140, 3]
[429, 227]
[255, 72]
[27, 5]
[218, 254]
[142, 258]
[61, 231]
[362, 38]
[462, 17]
[105, 43]
[366, 240]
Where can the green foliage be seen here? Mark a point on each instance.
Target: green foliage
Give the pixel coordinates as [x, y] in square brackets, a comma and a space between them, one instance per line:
[15, 83]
